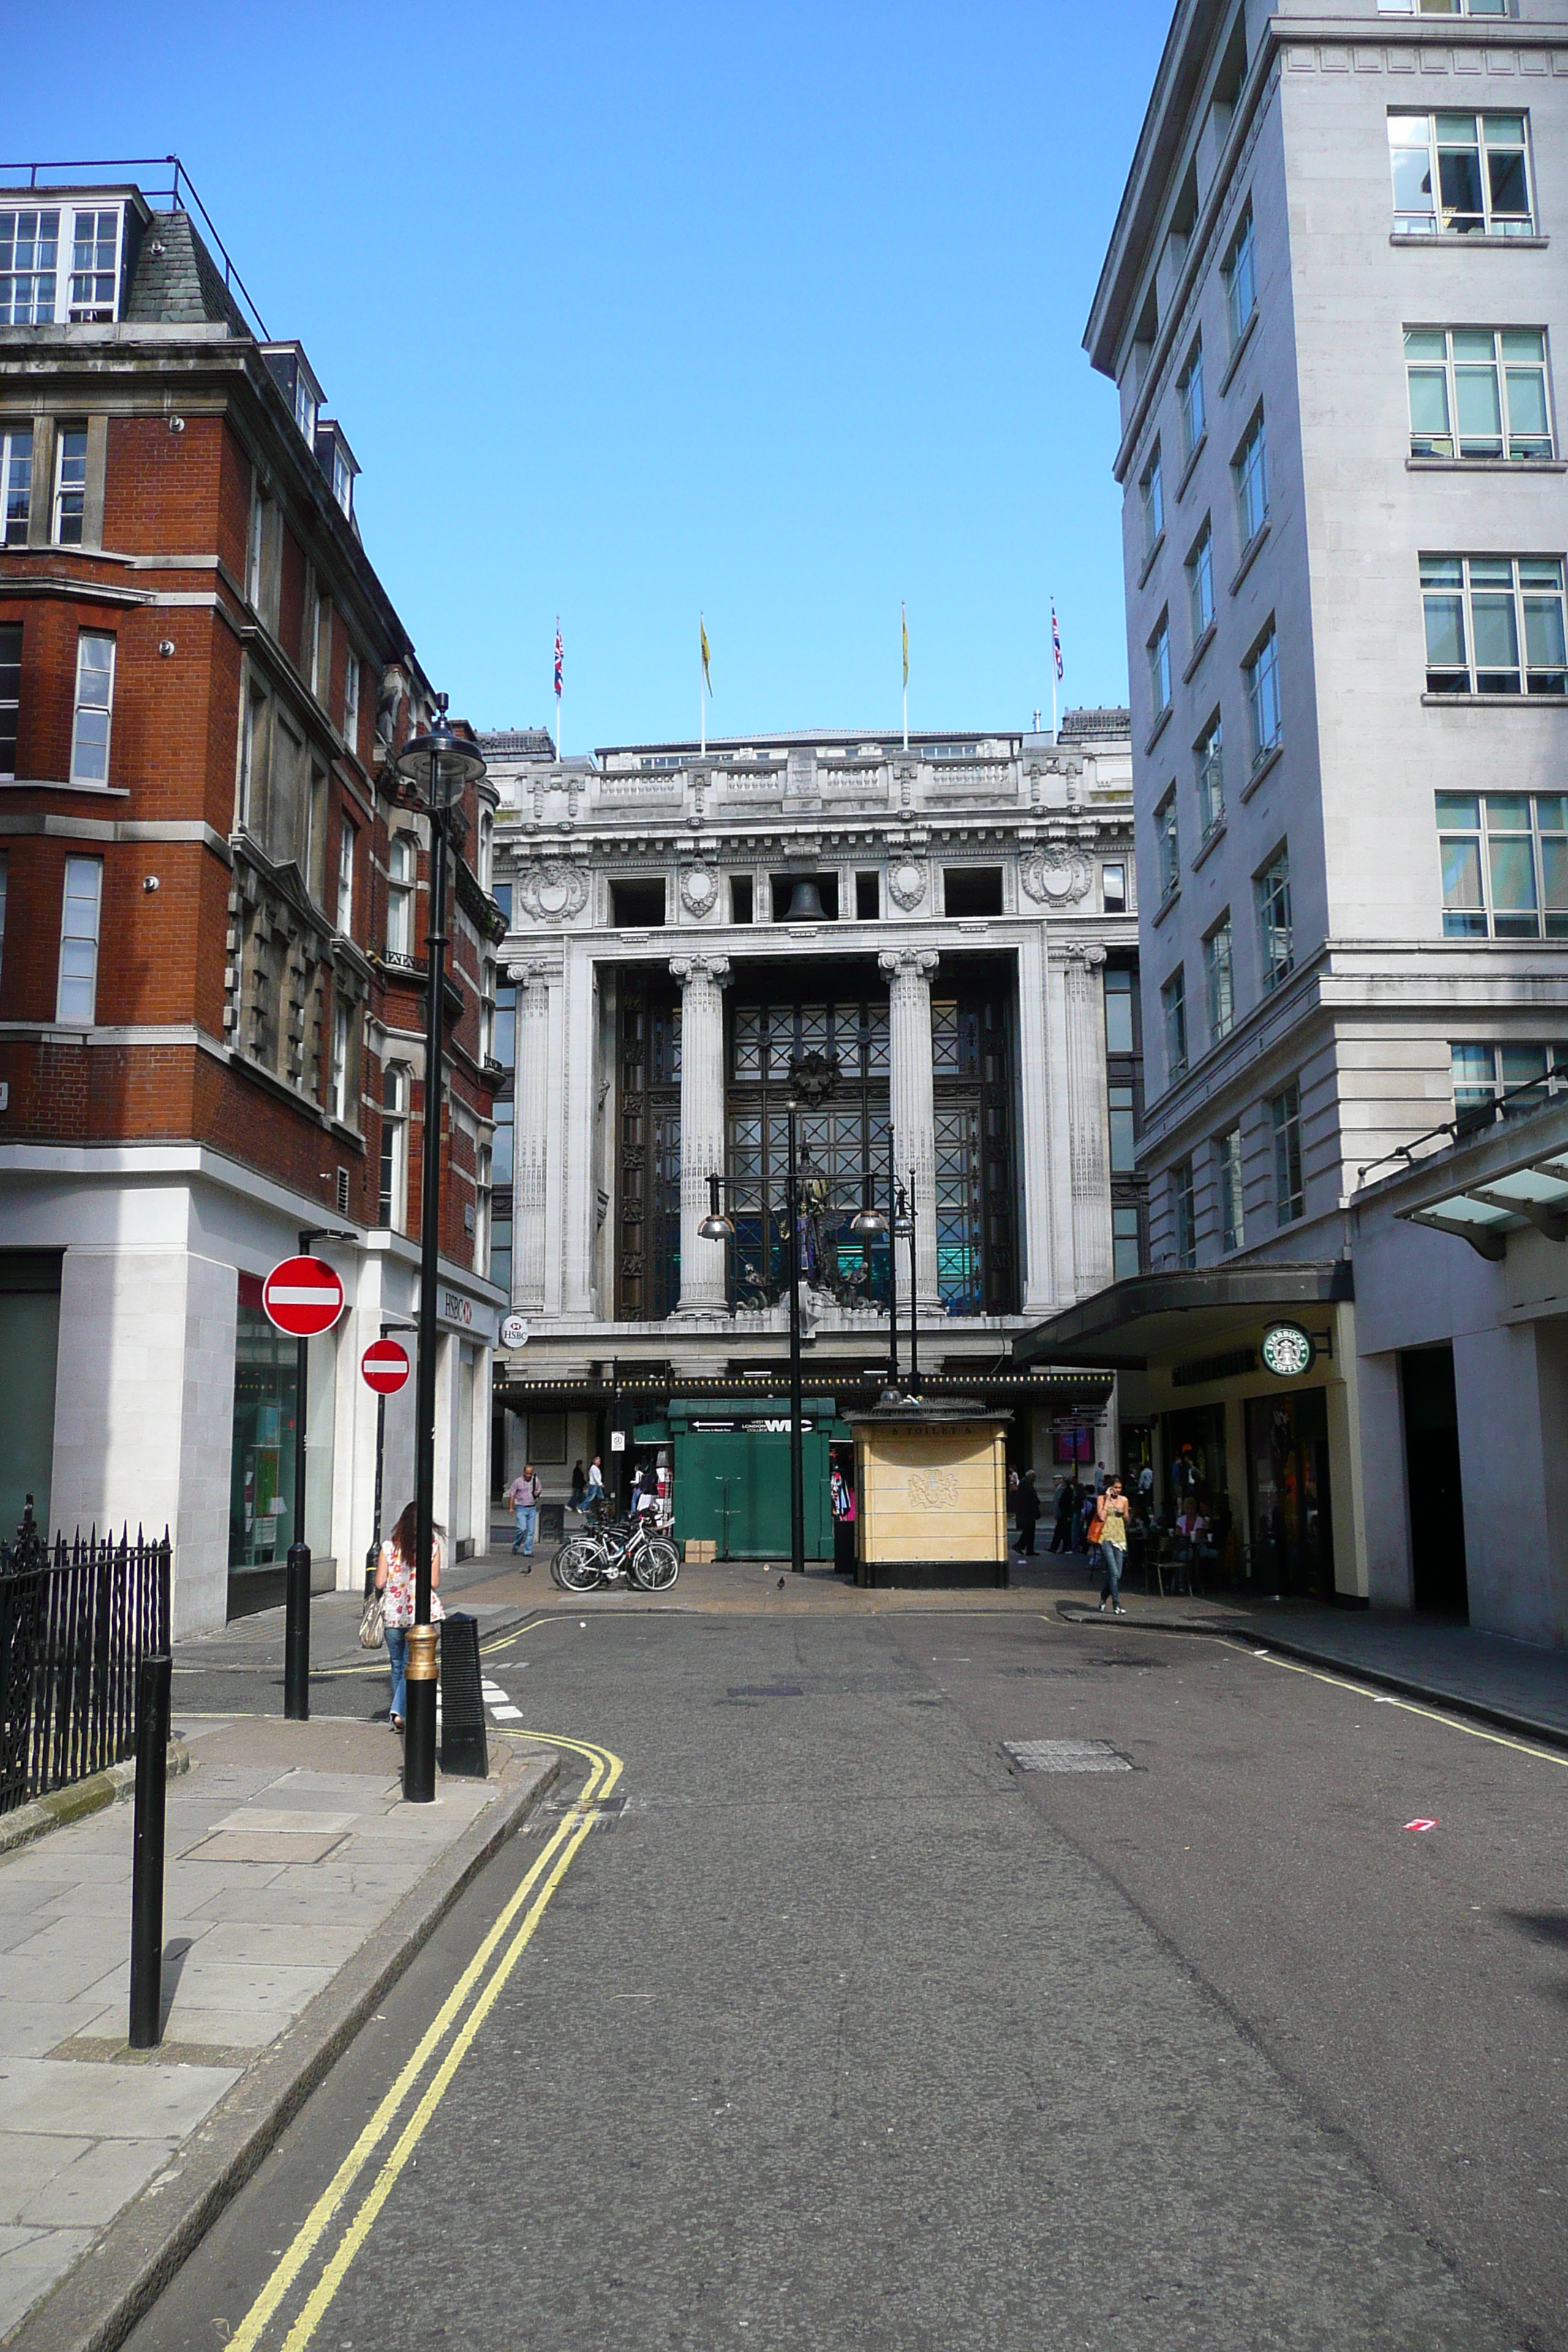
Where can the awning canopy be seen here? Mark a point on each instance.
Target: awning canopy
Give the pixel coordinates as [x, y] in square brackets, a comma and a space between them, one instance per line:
[1154, 1317]
[1498, 1193]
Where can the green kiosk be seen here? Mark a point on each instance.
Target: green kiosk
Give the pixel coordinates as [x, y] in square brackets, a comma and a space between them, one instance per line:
[729, 1472]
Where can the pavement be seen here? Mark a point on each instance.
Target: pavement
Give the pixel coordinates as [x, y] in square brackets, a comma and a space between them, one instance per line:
[289, 1854]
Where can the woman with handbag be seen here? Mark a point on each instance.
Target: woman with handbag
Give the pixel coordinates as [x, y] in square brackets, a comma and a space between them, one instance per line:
[1112, 1545]
[395, 1580]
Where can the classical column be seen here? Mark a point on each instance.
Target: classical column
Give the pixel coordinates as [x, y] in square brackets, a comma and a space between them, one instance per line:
[531, 1117]
[1088, 1154]
[912, 1094]
[701, 978]
[1038, 1095]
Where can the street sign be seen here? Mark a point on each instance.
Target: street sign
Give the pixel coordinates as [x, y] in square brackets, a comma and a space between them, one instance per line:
[384, 1367]
[514, 1331]
[302, 1297]
[617, 1441]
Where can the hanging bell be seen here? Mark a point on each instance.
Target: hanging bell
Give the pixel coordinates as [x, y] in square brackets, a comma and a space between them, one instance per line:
[805, 904]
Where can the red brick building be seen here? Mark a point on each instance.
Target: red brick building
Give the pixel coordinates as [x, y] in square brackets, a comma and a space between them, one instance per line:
[213, 896]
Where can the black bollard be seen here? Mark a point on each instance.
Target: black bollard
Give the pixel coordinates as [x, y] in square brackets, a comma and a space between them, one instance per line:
[297, 1634]
[147, 1854]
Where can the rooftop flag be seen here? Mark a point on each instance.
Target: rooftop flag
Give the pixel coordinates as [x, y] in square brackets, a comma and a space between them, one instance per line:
[558, 657]
[703, 633]
[1056, 640]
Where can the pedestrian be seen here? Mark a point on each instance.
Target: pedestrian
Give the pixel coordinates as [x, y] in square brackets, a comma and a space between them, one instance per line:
[645, 1491]
[1112, 1545]
[594, 1492]
[1027, 1511]
[523, 1496]
[579, 1480]
[394, 1576]
[1061, 1534]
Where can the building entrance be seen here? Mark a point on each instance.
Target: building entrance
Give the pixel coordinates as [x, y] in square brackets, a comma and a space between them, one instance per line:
[1432, 1481]
[1288, 1471]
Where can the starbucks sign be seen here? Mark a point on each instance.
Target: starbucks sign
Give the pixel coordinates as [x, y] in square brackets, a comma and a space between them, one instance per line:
[1288, 1350]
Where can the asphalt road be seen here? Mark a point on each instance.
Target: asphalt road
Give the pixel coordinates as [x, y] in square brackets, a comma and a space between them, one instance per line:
[841, 2031]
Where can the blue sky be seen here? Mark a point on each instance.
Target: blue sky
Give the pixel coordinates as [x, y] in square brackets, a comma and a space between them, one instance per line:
[630, 313]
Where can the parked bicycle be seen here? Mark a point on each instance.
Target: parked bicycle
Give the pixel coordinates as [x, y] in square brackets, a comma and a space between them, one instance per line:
[624, 1551]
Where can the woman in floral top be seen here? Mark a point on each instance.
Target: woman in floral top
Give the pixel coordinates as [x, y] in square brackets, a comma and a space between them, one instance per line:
[394, 1576]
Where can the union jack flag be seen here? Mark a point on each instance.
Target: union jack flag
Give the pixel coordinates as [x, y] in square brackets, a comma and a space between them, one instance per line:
[1056, 643]
[558, 661]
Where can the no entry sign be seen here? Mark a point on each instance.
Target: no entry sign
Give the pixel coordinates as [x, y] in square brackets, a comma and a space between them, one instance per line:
[384, 1367]
[302, 1297]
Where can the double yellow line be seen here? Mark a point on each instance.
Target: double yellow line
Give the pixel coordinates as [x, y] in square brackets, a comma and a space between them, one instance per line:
[477, 1993]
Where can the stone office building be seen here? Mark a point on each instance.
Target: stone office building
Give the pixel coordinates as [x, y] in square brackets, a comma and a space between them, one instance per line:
[954, 923]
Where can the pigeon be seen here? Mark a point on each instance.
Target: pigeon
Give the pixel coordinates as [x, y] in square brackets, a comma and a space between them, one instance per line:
[781, 1585]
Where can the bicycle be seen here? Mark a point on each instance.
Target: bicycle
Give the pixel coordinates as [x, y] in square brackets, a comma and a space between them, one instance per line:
[629, 1551]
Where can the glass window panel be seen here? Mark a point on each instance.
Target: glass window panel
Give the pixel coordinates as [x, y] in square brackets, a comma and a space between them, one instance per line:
[1527, 417]
[1507, 812]
[1554, 876]
[1461, 873]
[1544, 633]
[1459, 809]
[1497, 633]
[1429, 404]
[1119, 1012]
[1478, 399]
[1425, 344]
[1508, 186]
[1442, 571]
[1512, 867]
[1524, 344]
[1459, 180]
[1445, 631]
[1520, 1065]
[1551, 811]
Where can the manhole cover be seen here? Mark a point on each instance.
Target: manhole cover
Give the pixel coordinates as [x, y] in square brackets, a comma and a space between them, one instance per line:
[1066, 1756]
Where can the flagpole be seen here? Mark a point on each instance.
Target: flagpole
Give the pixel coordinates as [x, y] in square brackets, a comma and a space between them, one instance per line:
[702, 682]
[904, 627]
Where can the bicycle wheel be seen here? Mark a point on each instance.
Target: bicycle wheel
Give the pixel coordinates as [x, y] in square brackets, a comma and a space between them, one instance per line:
[656, 1565]
[575, 1567]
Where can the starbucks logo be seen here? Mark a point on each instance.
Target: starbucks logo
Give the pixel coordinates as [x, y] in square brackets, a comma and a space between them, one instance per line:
[1288, 1350]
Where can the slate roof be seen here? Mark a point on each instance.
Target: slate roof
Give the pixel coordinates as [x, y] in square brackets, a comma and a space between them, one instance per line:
[176, 282]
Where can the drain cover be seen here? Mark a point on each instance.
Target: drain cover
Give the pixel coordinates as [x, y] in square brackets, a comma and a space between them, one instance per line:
[1066, 1756]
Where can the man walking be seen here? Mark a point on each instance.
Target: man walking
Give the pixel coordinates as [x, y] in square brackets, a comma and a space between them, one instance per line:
[1061, 1534]
[524, 1497]
[1027, 1511]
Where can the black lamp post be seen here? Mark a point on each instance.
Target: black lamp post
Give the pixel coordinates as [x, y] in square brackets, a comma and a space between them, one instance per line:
[439, 766]
[870, 1226]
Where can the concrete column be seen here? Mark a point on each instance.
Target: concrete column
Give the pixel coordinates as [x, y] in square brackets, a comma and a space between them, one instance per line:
[572, 1117]
[912, 1099]
[531, 1117]
[1034, 1145]
[1082, 964]
[703, 979]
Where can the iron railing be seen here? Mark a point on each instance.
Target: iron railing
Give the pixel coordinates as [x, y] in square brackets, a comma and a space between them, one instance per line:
[76, 1621]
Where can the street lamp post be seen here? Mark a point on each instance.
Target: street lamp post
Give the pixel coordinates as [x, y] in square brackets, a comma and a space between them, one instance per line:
[870, 1225]
[438, 766]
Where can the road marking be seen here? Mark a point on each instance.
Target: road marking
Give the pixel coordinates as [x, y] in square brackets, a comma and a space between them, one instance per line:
[604, 1771]
[1432, 1714]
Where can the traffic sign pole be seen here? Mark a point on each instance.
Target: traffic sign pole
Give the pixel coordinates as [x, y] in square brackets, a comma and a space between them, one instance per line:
[384, 1369]
[303, 1296]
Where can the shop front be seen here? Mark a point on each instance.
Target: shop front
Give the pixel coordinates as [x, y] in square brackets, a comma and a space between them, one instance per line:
[1238, 1387]
[729, 1472]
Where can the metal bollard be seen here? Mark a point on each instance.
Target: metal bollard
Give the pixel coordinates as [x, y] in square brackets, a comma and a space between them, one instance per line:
[147, 1853]
[297, 1634]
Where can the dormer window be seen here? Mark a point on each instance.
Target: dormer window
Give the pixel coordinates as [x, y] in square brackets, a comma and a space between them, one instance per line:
[343, 480]
[35, 289]
[336, 461]
[293, 374]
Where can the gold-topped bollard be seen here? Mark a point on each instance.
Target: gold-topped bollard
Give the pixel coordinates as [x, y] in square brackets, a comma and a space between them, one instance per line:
[419, 1729]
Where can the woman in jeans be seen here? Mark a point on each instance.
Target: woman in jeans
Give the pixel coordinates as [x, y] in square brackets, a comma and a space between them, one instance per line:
[394, 1576]
[1112, 1545]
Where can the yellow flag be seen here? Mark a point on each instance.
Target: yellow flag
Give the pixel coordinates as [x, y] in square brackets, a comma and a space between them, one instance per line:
[904, 619]
[703, 633]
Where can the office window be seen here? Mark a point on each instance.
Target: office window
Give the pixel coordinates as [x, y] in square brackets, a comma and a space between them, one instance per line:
[1484, 1074]
[343, 1105]
[1505, 865]
[1240, 273]
[15, 484]
[1113, 888]
[1227, 1169]
[1479, 166]
[1169, 844]
[1159, 651]
[1200, 582]
[1478, 392]
[79, 910]
[10, 696]
[1190, 394]
[1209, 761]
[346, 840]
[1290, 1195]
[1184, 1213]
[482, 1196]
[1119, 1010]
[95, 266]
[351, 702]
[1443, 8]
[393, 1212]
[1174, 1012]
[1249, 469]
[94, 704]
[29, 264]
[1126, 1258]
[1260, 676]
[1218, 985]
[70, 485]
[400, 867]
[1153, 492]
[1124, 1145]
[254, 549]
[1480, 609]
[1277, 941]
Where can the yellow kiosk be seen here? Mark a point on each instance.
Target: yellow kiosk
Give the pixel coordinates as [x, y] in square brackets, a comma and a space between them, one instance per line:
[930, 1484]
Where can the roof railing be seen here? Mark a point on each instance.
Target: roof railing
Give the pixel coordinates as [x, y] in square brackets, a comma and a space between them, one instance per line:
[1548, 1085]
[232, 280]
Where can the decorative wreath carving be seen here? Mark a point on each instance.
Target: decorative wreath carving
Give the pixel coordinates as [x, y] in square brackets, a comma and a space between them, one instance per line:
[1055, 875]
[932, 1490]
[907, 883]
[699, 889]
[552, 892]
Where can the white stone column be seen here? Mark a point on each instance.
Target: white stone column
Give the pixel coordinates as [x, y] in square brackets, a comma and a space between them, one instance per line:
[1087, 1116]
[572, 1125]
[912, 1099]
[1038, 1094]
[530, 1118]
[701, 978]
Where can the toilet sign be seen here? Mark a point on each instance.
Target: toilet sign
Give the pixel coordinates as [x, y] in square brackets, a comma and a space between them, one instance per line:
[384, 1367]
[302, 1297]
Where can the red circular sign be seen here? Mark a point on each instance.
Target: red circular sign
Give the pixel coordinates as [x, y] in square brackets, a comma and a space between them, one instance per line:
[385, 1367]
[302, 1297]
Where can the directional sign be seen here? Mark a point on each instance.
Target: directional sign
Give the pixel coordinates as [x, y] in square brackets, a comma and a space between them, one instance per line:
[302, 1297]
[384, 1367]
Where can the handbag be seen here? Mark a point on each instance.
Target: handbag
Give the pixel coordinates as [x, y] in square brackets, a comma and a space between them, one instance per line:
[373, 1621]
